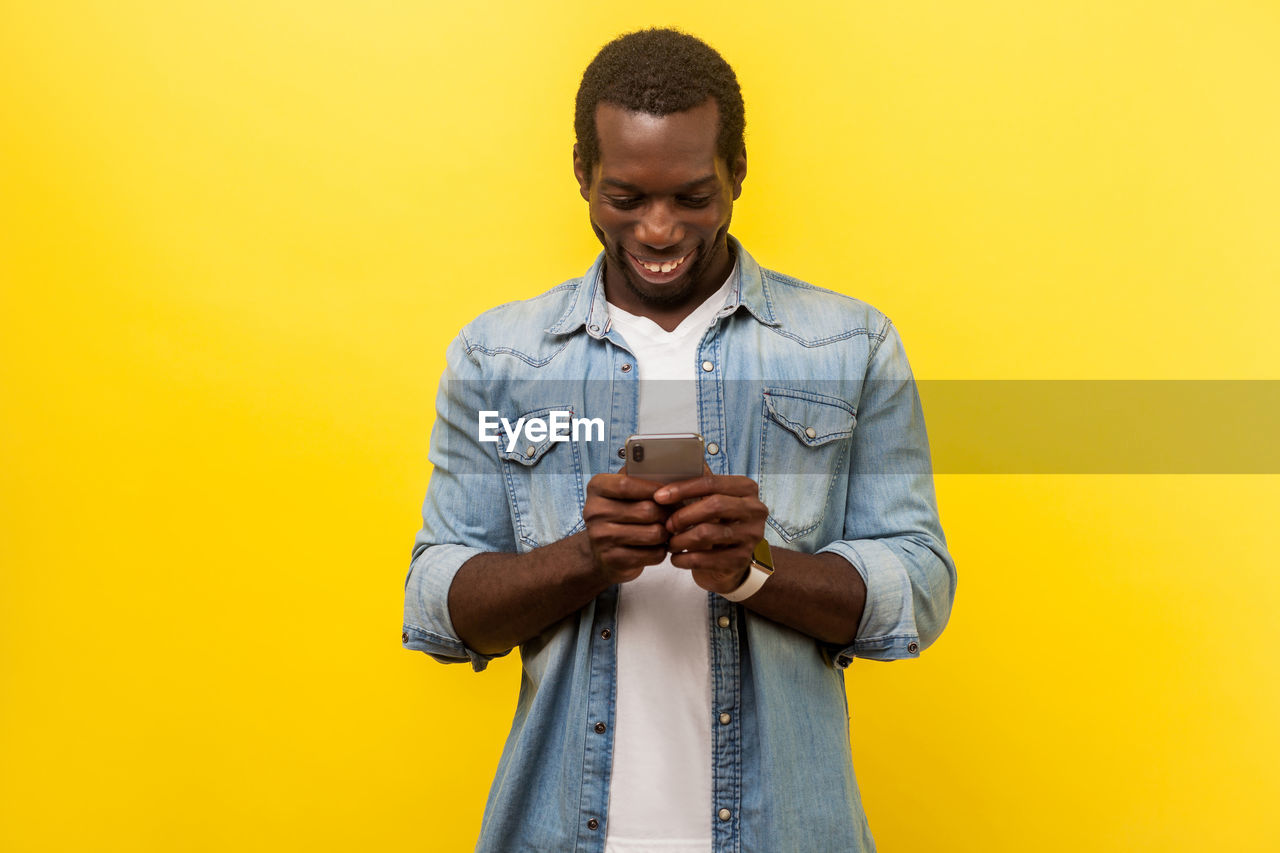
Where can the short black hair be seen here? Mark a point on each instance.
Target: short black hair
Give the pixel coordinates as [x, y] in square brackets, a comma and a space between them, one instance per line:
[659, 71]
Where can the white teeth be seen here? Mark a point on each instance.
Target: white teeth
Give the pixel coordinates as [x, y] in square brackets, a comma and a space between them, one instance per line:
[664, 267]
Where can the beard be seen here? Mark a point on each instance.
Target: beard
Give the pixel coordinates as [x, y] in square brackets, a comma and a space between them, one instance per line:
[678, 289]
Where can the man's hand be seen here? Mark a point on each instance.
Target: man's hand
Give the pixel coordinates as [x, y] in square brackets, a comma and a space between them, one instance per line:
[625, 528]
[714, 535]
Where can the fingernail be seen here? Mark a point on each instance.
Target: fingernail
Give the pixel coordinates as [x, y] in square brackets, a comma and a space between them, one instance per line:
[661, 494]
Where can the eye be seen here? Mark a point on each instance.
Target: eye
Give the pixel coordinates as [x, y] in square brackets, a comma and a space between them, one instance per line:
[696, 200]
[622, 202]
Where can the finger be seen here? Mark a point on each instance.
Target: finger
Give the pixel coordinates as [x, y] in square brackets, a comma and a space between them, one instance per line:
[621, 487]
[711, 537]
[727, 563]
[623, 558]
[724, 509]
[609, 534]
[624, 512]
[707, 484]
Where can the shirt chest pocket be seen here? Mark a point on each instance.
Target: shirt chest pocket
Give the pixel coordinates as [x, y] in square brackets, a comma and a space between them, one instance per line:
[804, 451]
[543, 476]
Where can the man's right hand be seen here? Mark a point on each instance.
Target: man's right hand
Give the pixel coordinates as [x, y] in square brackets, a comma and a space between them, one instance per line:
[626, 529]
[499, 600]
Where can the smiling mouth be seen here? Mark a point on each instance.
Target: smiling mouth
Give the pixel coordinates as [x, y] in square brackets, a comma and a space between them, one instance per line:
[661, 267]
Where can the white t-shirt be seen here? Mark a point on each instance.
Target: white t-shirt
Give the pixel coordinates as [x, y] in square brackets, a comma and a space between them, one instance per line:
[660, 788]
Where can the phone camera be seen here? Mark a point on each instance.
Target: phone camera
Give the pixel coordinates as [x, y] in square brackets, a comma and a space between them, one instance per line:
[637, 452]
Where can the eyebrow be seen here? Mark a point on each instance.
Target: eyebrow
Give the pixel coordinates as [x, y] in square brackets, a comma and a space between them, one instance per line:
[623, 185]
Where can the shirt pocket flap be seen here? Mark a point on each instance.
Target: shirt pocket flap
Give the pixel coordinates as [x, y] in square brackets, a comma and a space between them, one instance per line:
[528, 452]
[814, 419]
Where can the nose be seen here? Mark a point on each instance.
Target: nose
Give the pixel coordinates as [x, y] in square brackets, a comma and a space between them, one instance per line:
[659, 227]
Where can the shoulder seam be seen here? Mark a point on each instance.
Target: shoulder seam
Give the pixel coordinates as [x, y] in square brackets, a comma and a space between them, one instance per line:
[883, 333]
[783, 278]
[877, 335]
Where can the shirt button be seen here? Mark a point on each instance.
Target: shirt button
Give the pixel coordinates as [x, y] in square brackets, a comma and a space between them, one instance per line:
[626, 368]
[529, 451]
[622, 453]
[725, 718]
[594, 328]
[913, 648]
[404, 637]
[725, 814]
[811, 432]
[723, 621]
[708, 366]
[600, 727]
[606, 634]
[713, 449]
[593, 824]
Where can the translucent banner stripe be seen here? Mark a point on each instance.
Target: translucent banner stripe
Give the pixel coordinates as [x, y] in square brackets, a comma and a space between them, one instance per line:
[1103, 427]
[974, 426]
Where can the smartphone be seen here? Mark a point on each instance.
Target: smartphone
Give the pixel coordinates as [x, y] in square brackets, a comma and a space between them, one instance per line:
[665, 457]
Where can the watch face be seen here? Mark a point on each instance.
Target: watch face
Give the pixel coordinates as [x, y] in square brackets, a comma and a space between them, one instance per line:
[762, 557]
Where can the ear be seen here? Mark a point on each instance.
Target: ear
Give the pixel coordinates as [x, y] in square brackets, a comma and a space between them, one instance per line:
[739, 172]
[580, 173]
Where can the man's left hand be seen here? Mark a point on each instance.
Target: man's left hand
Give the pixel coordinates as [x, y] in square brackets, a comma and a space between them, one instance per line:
[714, 535]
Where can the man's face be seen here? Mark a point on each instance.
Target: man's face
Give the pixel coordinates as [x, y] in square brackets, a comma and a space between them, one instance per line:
[661, 200]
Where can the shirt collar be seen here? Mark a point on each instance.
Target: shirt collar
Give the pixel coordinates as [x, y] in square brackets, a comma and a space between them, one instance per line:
[751, 290]
[590, 309]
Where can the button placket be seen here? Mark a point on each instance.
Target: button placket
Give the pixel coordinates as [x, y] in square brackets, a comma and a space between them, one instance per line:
[593, 798]
[726, 728]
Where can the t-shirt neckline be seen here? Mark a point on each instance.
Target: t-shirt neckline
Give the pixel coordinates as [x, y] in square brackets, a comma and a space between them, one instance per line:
[699, 318]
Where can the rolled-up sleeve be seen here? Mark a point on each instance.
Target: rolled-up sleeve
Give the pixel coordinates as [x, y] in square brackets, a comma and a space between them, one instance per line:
[893, 536]
[465, 513]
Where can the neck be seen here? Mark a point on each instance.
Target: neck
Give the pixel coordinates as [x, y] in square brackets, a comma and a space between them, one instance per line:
[667, 315]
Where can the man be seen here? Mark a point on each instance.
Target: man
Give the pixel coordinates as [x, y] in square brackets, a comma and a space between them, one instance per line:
[677, 696]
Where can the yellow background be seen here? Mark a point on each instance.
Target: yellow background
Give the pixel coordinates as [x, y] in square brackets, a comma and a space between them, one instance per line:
[235, 238]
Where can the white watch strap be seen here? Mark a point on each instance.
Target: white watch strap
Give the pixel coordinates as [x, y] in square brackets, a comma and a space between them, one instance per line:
[749, 587]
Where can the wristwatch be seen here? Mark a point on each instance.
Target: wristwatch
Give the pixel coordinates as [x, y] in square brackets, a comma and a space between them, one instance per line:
[760, 571]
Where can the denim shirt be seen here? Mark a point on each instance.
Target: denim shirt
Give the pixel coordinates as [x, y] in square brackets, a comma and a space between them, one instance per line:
[804, 390]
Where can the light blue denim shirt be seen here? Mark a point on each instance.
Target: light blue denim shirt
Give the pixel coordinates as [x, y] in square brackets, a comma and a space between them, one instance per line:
[806, 391]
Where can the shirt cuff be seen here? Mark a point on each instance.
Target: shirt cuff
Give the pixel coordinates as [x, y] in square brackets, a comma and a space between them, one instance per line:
[887, 630]
[427, 624]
